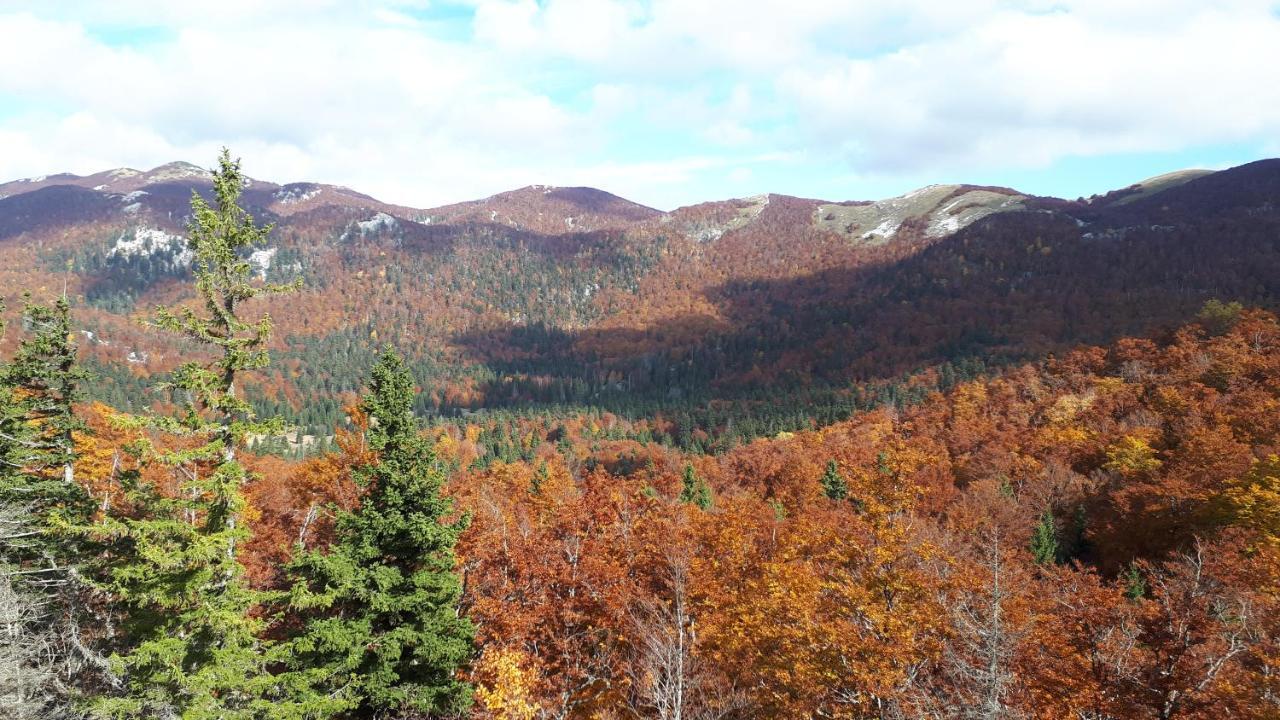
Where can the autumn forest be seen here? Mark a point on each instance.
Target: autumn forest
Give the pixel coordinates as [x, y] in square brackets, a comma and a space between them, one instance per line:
[288, 452]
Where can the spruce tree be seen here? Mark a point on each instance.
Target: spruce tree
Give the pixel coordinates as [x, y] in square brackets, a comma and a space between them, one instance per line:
[1135, 585]
[41, 385]
[383, 634]
[1044, 540]
[38, 494]
[188, 640]
[693, 489]
[833, 483]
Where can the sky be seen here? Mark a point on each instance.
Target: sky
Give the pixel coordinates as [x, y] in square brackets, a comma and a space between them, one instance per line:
[665, 102]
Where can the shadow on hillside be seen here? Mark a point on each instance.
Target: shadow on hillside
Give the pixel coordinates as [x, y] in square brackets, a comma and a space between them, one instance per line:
[1012, 287]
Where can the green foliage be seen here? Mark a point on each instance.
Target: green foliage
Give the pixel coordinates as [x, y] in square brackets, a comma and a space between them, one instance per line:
[1218, 317]
[189, 643]
[1044, 540]
[539, 477]
[38, 391]
[1135, 585]
[383, 633]
[833, 483]
[693, 489]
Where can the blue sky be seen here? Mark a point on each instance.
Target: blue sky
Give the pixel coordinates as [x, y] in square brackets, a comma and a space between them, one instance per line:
[667, 102]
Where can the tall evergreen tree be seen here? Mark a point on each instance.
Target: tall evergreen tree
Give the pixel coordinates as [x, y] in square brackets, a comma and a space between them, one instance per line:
[383, 633]
[1044, 540]
[188, 641]
[833, 483]
[1135, 585]
[41, 386]
[38, 391]
[693, 489]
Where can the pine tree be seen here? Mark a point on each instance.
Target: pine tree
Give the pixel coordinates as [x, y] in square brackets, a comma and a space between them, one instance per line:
[188, 641]
[693, 489]
[833, 483]
[1044, 540]
[42, 385]
[1135, 585]
[24, 672]
[383, 633]
[38, 493]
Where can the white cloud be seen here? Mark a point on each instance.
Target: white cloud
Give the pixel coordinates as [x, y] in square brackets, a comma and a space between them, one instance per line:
[1029, 89]
[370, 95]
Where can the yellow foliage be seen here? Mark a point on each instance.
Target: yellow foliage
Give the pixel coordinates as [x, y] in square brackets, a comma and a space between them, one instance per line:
[1108, 385]
[967, 399]
[506, 693]
[1131, 455]
[446, 447]
[1253, 500]
[1070, 436]
[1068, 408]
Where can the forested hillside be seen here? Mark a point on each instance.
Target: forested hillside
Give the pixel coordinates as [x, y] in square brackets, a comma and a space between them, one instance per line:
[964, 453]
[572, 300]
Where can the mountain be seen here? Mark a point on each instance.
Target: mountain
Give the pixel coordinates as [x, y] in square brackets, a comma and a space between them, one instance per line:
[734, 317]
[548, 209]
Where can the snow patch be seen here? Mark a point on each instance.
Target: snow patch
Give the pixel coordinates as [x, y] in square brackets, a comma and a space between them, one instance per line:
[178, 171]
[947, 225]
[261, 260]
[131, 201]
[884, 229]
[916, 193]
[296, 195]
[378, 222]
[138, 356]
[93, 338]
[144, 241]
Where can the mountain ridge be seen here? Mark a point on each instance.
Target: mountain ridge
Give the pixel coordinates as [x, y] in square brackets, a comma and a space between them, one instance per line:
[632, 307]
[550, 209]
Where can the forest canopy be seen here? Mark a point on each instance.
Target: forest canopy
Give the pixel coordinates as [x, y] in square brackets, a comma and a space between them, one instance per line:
[1000, 521]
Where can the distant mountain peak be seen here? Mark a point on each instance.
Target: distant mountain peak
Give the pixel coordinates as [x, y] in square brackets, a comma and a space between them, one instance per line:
[549, 209]
[178, 170]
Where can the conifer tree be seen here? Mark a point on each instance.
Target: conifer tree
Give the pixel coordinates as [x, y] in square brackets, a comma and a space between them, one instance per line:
[1135, 585]
[833, 483]
[693, 489]
[38, 391]
[41, 385]
[1044, 540]
[188, 642]
[383, 634]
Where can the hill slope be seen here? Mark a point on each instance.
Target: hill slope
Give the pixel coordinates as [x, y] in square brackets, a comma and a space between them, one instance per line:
[574, 296]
